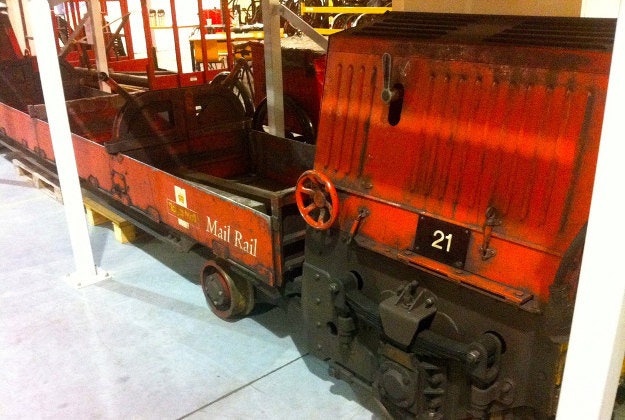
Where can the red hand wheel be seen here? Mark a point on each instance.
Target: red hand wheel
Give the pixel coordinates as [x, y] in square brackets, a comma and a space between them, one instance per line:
[317, 199]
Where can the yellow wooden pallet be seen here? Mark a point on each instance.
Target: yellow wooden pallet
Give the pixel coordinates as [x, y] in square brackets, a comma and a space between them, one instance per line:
[98, 214]
[39, 180]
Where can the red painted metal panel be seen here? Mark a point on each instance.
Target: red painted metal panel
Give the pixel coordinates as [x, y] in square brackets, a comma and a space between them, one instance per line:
[512, 128]
[18, 126]
[298, 74]
[232, 230]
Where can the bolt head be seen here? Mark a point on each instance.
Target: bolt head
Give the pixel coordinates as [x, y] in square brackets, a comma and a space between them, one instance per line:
[473, 356]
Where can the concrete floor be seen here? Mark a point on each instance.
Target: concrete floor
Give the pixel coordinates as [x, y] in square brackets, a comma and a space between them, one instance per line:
[142, 344]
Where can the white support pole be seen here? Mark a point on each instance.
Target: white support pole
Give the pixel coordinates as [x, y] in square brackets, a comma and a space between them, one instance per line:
[54, 98]
[101, 61]
[273, 67]
[599, 8]
[597, 342]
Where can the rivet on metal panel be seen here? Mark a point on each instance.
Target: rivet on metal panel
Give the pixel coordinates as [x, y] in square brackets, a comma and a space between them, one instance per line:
[93, 181]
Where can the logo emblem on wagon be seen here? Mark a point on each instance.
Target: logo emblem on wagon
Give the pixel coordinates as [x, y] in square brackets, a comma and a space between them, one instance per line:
[178, 208]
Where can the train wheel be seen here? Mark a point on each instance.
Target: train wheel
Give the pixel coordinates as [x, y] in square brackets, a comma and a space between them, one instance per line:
[218, 105]
[297, 124]
[241, 88]
[227, 296]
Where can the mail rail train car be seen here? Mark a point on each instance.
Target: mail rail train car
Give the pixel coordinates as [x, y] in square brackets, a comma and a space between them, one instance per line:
[432, 235]
[447, 207]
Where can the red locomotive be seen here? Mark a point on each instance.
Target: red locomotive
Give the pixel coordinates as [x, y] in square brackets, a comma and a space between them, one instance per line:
[446, 201]
[447, 206]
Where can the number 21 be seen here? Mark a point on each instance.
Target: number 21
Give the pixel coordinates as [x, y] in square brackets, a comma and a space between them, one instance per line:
[440, 236]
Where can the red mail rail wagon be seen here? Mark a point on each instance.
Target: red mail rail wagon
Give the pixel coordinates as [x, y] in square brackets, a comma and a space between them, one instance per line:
[183, 165]
[447, 207]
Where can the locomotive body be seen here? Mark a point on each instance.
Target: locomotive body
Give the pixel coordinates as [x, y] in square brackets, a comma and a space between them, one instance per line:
[447, 207]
